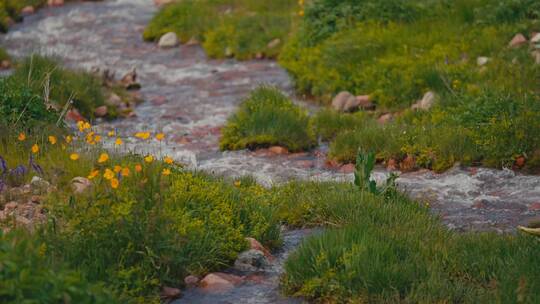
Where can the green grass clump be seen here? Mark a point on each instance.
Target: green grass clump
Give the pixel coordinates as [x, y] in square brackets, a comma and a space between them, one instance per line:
[388, 249]
[28, 277]
[10, 9]
[4, 55]
[239, 28]
[42, 75]
[268, 117]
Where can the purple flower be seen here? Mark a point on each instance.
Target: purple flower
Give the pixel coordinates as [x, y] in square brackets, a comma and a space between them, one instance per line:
[3, 165]
[19, 171]
[2, 185]
[35, 166]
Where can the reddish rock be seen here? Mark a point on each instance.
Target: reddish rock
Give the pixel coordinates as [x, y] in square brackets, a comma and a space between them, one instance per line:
[55, 2]
[170, 293]
[347, 169]
[254, 244]
[305, 164]
[392, 164]
[517, 41]
[219, 282]
[28, 10]
[278, 150]
[101, 111]
[473, 171]
[183, 140]
[10, 206]
[162, 2]
[534, 206]
[5, 64]
[331, 164]
[80, 184]
[36, 199]
[520, 161]
[191, 281]
[385, 118]
[256, 278]
[74, 115]
[408, 164]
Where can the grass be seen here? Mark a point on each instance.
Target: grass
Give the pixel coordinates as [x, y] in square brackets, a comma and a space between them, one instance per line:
[388, 249]
[11, 9]
[4, 55]
[242, 29]
[266, 118]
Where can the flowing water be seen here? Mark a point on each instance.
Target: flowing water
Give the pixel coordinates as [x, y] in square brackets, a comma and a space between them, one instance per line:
[189, 97]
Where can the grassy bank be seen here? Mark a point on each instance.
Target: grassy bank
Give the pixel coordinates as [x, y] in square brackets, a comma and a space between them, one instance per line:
[242, 29]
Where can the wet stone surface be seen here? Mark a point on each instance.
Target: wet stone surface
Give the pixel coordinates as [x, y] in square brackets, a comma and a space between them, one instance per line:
[189, 97]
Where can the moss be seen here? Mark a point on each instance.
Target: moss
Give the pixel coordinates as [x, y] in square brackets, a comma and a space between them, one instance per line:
[266, 118]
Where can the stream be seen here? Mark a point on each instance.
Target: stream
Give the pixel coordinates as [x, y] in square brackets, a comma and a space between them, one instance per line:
[189, 97]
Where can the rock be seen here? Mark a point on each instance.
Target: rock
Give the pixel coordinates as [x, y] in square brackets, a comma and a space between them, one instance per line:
[364, 102]
[535, 38]
[5, 64]
[534, 206]
[101, 111]
[28, 10]
[74, 115]
[426, 102]
[520, 161]
[80, 184]
[259, 56]
[342, 100]
[36, 199]
[385, 118]
[168, 40]
[408, 164]
[129, 81]
[251, 260]
[114, 100]
[170, 293]
[517, 41]
[219, 282]
[274, 43]
[55, 2]
[480, 61]
[193, 41]
[254, 244]
[39, 183]
[191, 281]
[10, 207]
[536, 56]
[278, 150]
[347, 169]
[392, 164]
[21, 220]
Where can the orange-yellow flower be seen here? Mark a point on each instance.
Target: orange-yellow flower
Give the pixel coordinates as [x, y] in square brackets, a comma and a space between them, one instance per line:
[125, 172]
[160, 136]
[138, 168]
[118, 142]
[52, 140]
[86, 125]
[74, 156]
[237, 183]
[149, 159]
[97, 138]
[142, 135]
[35, 148]
[69, 139]
[166, 171]
[117, 169]
[114, 183]
[109, 174]
[93, 174]
[80, 125]
[111, 133]
[103, 158]
[168, 160]
[22, 137]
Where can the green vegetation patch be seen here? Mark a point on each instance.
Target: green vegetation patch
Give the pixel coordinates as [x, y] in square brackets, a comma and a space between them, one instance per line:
[244, 29]
[268, 117]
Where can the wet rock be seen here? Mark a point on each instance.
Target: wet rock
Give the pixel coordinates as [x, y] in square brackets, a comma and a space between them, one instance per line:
[343, 99]
[385, 118]
[219, 282]
[168, 40]
[347, 169]
[534, 206]
[520, 162]
[80, 185]
[28, 10]
[517, 41]
[55, 2]
[101, 111]
[129, 81]
[251, 260]
[170, 293]
[191, 281]
[255, 245]
[278, 150]
[426, 102]
[392, 164]
[274, 43]
[480, 61]
[5, 64]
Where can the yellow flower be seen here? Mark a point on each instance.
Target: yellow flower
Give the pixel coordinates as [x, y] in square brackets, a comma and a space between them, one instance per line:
[69, 139]
[86, 125]
[93, 174]
[168, 160]
[111, 133]
[237, 183]
[74, 156]
[114, 183]
[166, 171]
[103, 158]
[35, 148]
[149, 159]
[80, 125]
[117, 169]
[125, 172]
[109, 174]
[143, 135]
[160, 136]
[52, 140]
[138, 168]
[118, 142]
[22, 137]
[301, 13]
[97, 138]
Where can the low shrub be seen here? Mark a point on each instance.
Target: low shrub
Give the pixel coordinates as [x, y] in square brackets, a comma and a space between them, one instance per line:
[268, 117]
[239, 28]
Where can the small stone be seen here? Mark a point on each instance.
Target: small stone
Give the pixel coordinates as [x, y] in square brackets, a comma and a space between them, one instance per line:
[39, 183]
[10, 206]
[191, 281]
[28, 10]
[534, 206]
[520, 161]
[517, 41]
[256, 245]
[364, 103]
[114, 100]
[251, 260]
[129, 81]
[36, 199]
[480, 61]
[426, 102]
[343, 100]
[385, 118]
[278, 150]
[80, 184]
[193, 41]
[101, 111]
[74, 115]
[170, 293]
[5, 64]
[274, 43]
[168, 40]
[219, 282]
[392, 164]
[536, 56]
[535, 38]
[55, 2]
[347, 169]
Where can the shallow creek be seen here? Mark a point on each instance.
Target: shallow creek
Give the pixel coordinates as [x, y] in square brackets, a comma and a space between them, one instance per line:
[189, 97]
